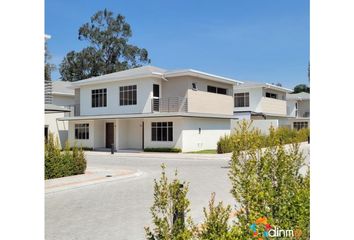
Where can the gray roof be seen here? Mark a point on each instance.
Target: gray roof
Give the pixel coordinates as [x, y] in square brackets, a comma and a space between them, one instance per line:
[298, 96]
[62, 87]
[51, 108]
[151, 71]
[252, 84]
[149, 115]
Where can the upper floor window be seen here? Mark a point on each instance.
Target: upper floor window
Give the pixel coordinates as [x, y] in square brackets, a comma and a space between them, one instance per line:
[242, 99]
[217, 90]
[127, 95]
[162, 131]
[99, 97]
[194, 86]
[82, 131]
[271, 95]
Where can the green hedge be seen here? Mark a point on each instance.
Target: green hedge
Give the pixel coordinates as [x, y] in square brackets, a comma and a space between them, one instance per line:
[60, 163]
[175, 150]
[237, 141]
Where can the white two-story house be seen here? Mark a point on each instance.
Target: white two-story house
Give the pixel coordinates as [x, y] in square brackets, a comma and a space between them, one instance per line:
[298, 107]
[260, 101]
[149, 107]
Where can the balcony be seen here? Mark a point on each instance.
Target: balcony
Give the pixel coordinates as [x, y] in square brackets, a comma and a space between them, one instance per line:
[74, 110]
[273, 106]
[196, 102]
[170, 104]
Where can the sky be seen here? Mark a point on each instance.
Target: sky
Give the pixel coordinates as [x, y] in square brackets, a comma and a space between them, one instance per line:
[247, 40]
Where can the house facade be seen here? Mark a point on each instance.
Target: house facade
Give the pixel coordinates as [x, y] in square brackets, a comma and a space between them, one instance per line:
[298, 108]
[59, 103]
[149, 107]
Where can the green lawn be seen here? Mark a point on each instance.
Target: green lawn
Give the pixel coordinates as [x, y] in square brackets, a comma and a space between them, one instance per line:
[206, 151]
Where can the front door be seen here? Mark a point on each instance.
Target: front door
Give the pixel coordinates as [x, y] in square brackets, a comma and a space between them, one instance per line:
[109, 134]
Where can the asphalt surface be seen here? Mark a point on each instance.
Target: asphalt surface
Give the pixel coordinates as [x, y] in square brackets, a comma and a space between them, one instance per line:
[120, 209]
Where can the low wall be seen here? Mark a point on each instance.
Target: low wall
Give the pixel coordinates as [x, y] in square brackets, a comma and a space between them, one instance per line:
[262, 125]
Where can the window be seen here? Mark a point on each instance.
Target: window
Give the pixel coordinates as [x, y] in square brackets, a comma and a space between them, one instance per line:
[82, 131]
[300, 125]
[217, 90]
[194, 86]
[162, 131]
[127, 95]
[271, 95]
[242, 99]
[99, 97]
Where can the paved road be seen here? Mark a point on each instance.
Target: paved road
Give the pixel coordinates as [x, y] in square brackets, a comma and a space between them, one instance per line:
[120, 209]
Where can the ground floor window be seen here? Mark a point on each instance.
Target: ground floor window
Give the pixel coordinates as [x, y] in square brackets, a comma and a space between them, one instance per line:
[162, 131]
[300, 125]
[82, 131]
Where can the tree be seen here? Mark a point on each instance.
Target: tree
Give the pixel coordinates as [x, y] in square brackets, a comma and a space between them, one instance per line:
[108, 51]
[301, 88]
[48, 67]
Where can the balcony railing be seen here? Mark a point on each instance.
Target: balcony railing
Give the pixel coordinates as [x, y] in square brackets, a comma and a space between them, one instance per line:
[170, 104]
[74, 110]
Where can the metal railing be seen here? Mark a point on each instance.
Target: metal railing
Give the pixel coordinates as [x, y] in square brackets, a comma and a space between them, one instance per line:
[74, 110]
[170, 104]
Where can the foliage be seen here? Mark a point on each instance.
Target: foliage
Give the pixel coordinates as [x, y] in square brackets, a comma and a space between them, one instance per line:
[215, 225]
[268, 183]
[169, 210]
[272, 182]
[245, 136]
[205, 151]
[301, 88]
[175, 150]
[62, 163]
[108, 51]
[48, 67]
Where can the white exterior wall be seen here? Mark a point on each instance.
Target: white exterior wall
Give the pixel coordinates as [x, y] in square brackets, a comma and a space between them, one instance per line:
[262, 125]
[89, 143]
[243, 115]
[58, 128]
[63, 100]
[211, 131]
[291, 109]
[144, 95]
[177, 133]
[255, 96]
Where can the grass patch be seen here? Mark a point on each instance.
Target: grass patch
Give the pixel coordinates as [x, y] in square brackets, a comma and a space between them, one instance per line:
[206, 151]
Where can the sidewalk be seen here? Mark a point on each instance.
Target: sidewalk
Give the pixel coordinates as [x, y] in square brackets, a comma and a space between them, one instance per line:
[91, 176]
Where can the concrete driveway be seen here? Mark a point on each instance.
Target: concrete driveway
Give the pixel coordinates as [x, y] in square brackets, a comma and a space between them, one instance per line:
[120, 209]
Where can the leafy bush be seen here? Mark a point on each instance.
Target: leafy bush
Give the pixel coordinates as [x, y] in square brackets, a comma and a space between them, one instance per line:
[236, 141]
[169, 210]
[175, 150]
[266, 183]
[62, 163]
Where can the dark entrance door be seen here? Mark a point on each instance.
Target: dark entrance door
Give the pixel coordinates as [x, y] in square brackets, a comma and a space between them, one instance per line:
[109, 134]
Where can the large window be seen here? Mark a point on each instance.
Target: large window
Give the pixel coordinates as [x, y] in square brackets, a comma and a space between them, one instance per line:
[99, 97]
[82, 131]
[300, 125]
[271, 95]
[217, 90]
[127, 95]
[162, 131]
[242, 99]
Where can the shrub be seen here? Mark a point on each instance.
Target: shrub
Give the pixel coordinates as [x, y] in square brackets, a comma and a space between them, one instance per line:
[175, 150]
[169, 209]
[268, 183]
[238, 140]
[62, 163]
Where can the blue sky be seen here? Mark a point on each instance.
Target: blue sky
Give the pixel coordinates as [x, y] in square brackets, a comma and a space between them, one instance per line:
[249, 40]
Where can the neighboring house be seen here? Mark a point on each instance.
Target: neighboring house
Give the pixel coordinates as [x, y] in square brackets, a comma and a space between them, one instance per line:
[298, 108]
[149, 107]
[260, 102]
[58, 105]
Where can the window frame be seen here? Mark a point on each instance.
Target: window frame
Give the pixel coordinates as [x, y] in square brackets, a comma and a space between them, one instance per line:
[300, 125]
[217, 90]
[99, 97]
[162, 131]
[82, 131]
[128, 95]
[245, 99]
[271, 95]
